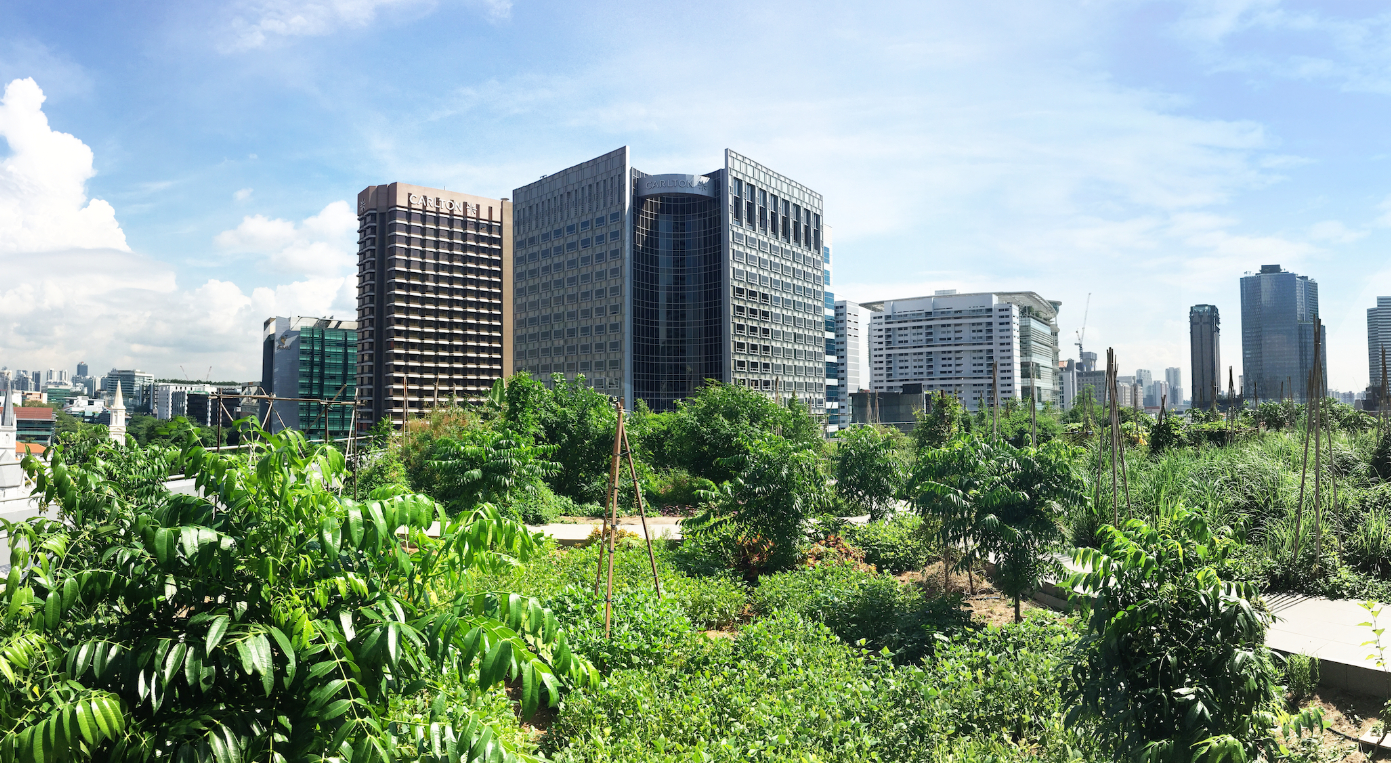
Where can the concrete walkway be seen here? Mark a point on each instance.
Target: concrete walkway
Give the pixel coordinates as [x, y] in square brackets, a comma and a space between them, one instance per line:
[1331, 630]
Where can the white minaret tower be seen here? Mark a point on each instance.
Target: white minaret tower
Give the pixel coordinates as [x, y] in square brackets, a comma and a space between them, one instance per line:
[117, 427]
[11, 475]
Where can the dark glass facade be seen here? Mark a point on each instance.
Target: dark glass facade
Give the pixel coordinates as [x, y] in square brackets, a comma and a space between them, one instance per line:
[678, 297]
[1205, 346]
[1277, 332]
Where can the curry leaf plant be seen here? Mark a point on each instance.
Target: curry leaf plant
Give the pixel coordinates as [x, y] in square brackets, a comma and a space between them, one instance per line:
[1173, 664]
[266, 618]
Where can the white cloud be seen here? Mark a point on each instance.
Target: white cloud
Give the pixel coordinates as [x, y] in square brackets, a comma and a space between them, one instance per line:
[254, 23]
[242, 195]
[71, 289]
[321, 245]
[1335, 232]
[43, 196]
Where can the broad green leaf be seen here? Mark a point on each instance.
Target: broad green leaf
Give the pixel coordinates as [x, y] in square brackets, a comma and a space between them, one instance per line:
[216, 632]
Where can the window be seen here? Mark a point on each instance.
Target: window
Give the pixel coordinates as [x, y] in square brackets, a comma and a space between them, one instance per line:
[584, 225]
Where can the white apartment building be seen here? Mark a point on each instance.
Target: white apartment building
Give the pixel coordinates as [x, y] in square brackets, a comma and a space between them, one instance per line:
[956, 343]
[171, 399]
[852, 360]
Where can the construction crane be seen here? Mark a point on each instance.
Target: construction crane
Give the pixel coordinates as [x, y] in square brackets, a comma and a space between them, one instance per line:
[1083, 331]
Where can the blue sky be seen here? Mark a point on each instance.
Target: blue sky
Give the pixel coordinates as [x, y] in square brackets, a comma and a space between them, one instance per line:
[171, 174]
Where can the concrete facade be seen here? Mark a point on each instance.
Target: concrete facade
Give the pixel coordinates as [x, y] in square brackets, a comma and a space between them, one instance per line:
[434, 306]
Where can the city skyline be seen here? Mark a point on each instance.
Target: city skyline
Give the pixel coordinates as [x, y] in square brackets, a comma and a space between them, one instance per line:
[199, 167]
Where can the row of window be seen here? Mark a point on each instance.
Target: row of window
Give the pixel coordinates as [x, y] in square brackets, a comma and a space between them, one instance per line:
[597, 329]
[752, 206]
[570, 315]
[569, 349]
[580, 200]
[774, 300]
[572, 229]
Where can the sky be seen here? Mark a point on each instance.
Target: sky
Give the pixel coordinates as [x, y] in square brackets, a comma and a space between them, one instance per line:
[172, 174]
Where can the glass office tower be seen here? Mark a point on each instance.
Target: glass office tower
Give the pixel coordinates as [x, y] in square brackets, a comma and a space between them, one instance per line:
[1205, 353]
[648, 285]
[1277, 333]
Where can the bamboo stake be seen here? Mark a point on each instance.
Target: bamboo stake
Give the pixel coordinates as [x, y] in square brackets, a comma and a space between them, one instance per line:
[612, 502]
[613, 524]
[1303, 473]
[1115, 428]
[1125, 470]
[1318, 460]
[642, 509]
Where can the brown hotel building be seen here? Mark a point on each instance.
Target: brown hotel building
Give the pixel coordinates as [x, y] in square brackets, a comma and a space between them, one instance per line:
[434, 298]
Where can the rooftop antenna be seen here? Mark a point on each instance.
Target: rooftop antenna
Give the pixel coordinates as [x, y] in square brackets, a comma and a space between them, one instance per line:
[1083, 332]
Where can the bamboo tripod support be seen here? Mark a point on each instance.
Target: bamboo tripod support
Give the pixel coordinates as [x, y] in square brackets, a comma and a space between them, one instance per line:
[621, 449]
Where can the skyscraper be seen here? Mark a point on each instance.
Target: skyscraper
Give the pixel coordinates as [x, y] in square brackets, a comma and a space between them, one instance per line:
[82, 369]
[1205, 348]
[1174, 377]
[434, 268]
[648, 285]
[1378, 338]
[1277, 332]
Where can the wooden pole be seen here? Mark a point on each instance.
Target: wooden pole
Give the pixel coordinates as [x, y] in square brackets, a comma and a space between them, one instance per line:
[613, 523]
[612, 500]
[1115, 435]
[1318, 459]
[1303, 474]
[642, 508]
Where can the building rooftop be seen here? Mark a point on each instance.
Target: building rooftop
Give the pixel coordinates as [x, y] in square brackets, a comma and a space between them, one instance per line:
[34, 413]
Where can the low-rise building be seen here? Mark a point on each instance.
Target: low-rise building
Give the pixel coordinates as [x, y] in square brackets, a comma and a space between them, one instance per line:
[35, 424]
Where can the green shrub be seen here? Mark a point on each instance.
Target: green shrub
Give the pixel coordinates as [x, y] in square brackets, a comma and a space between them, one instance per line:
[1301, 677]
[540, 506]
[645, 631]
[786, 689]
[894, 545]
[709, 602]
[863, 606]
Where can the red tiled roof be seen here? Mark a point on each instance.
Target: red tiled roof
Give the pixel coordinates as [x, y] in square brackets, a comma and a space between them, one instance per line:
[21, 448]
[31, 412]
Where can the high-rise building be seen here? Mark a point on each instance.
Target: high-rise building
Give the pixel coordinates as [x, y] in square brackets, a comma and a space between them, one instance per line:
[1378, 340]
[1205, 349]
[648, 285]
[832, 366]
[82, 369]
[851, 359]
[1174, 378]
[137, 388]
[308, 359]
[952, 342]
[1278, 309]
[434, 299]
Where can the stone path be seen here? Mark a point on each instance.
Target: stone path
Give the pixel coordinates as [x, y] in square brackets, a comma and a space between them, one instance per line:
[1331, 630]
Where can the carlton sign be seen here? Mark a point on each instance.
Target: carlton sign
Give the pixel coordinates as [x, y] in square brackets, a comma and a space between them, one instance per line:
[659, 185]
[443, 204]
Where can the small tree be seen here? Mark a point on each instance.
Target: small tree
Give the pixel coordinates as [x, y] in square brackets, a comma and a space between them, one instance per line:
[870, 468]
[1173, 666]
[938, 426]
[777, 489]
[1001, 503]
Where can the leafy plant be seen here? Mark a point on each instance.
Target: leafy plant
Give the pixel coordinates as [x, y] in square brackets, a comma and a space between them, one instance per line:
[1000, 503]
[777, 489]
[1301, 676]
[488, 466]
[895, 545]
[1173, 664]
[869, 468]
[266, 618]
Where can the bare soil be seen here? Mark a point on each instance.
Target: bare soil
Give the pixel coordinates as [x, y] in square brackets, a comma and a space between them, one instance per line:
[1353, 715]
[988, 605]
